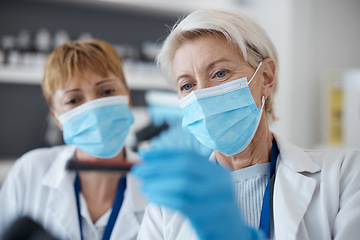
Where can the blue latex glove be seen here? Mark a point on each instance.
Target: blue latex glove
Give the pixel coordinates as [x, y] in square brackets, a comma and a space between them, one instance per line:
[203, 191]
[175, 135]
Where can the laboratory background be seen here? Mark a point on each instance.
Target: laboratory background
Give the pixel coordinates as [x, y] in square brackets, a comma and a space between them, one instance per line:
[318, 42]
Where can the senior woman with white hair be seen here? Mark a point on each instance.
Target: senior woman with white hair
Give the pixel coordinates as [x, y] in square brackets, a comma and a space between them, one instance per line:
[224, 65]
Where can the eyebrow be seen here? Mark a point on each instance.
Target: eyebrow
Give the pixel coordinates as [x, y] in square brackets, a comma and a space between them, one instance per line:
[217, 61]
[72, 90]
[103, 81]
[96, 84]
[207, 68]
[182, 76]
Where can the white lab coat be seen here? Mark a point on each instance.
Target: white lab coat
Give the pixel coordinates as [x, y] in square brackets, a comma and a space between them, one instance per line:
[316, 196]
[39, 186]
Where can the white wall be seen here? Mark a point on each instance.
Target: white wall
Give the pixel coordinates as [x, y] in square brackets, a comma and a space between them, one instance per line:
[312, 37]
[326, 37]
[303, 99]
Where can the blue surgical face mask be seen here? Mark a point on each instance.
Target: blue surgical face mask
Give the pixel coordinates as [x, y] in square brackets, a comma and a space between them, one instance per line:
[225, 117]
[98, 127]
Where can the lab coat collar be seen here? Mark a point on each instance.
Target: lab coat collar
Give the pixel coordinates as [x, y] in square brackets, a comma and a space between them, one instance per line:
[62, 180]
[291, 187]
[131, 212]
[137, 201]
[134, 205]
[295, 158]
[61, 201]
[55, 175]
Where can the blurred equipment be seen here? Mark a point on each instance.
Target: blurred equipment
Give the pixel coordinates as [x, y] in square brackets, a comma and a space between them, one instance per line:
[60, 37]
[343, 108]
[149, 50]
[23, 41]
[26, 229]
[43, 41]
[85, 36]
[103, 165]
[148, 132]
[8, 44]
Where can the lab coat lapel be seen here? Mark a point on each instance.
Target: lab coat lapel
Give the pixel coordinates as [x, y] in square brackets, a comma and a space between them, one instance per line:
[131, 211]
[293, 191]
[62, 201]
[290, 188]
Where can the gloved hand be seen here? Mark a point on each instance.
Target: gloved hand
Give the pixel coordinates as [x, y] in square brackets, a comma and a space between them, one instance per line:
[188, 182]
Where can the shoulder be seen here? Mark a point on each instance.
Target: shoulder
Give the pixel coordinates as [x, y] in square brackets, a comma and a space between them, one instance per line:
[337, 166]
[43, 155]
[35, 163]
[339, 187]
[23, 192]
[314, 160]
[342, 159]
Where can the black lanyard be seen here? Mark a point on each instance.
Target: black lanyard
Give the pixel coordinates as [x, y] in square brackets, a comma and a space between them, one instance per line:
[115, 209]
[267, 200]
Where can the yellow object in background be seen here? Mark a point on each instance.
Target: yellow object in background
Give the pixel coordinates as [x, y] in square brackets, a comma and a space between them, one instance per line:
[336, 113]
[335, 108]
[342, 116]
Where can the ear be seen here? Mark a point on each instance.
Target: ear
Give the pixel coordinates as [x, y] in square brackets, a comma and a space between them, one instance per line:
[56, 120]
[268, 71]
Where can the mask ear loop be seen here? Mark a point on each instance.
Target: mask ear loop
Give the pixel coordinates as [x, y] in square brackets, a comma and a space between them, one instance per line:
[263, 102]
[257, 69]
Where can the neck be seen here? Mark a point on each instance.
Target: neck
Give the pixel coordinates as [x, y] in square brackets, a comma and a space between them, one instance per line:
[99, 191]
[257, 152]
[99, 188]
[99, 185]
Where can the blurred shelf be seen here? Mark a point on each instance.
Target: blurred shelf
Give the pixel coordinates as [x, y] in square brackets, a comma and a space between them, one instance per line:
[138, 75]
[21, 75]
[162, 7]
[142, 75]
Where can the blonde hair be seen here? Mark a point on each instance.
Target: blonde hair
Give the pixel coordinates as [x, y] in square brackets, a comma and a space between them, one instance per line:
[239, 30]
[72, 59]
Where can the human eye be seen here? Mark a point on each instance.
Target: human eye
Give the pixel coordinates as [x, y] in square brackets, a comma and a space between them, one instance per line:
[108, 92]
[72, 101]
[220, 74]
[186, 87]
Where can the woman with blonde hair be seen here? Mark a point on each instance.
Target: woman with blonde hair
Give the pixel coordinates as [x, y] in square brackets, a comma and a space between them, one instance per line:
[256, 185]
[87, 95]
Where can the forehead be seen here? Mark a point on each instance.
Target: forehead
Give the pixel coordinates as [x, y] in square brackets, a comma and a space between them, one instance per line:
[203, 50]
[88, 77]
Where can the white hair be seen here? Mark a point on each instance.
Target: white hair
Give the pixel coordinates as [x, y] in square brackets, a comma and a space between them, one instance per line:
[239, 30]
